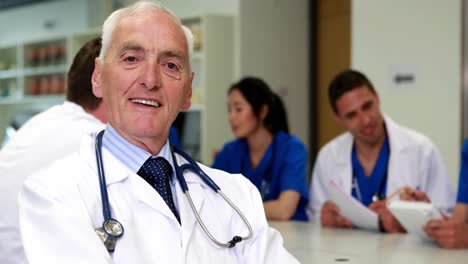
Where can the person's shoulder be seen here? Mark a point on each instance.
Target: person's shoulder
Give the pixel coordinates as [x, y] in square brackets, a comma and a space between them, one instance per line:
[59, 176]
[337, 144]
[235, 145]
[77, 115]
[408, 137]
[290, 142]
[290, 138]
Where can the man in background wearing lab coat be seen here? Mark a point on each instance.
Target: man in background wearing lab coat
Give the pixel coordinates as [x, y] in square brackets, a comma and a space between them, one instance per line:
[45, 138]
[373, 159]
[143, 75]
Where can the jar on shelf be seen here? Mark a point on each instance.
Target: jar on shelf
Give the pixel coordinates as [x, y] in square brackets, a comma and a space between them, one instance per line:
[60, 55]
[33, 86]
[44, 85]
[32, 57]
[43, 56]
[54, 84]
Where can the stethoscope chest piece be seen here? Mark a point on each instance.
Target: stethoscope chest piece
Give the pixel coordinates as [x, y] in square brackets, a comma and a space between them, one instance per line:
[113, 228]
[110, 231]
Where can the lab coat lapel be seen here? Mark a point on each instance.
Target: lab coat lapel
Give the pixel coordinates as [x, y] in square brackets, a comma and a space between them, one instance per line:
[344, 169]
[187, 215]
[146, 194]
[398, 156]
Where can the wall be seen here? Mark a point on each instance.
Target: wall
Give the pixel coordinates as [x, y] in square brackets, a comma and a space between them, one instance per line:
[274, 45]
[420, 36]
[191, 8]
[30, 22]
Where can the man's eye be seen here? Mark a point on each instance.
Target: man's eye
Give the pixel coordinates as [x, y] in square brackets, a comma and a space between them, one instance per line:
[172, 66]
[131, 59]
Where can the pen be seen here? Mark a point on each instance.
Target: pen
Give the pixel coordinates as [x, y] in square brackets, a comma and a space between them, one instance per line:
[395, 193]
[400, 190]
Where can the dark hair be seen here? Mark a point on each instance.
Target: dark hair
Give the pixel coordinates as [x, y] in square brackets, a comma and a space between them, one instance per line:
[80, 89]
[344, 82]
[258, 93]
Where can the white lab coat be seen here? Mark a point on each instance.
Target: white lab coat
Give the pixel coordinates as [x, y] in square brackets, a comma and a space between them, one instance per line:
[414, 161]
[61, 207]
[45, 138]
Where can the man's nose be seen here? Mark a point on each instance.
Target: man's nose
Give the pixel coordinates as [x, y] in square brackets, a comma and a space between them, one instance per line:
[151, 75]
[365, 119]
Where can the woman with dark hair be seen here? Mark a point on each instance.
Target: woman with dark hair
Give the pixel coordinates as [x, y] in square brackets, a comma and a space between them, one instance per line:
[264, 151]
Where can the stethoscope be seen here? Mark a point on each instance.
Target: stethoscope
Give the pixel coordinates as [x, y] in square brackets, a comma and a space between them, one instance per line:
[112, 229]
[377, 196]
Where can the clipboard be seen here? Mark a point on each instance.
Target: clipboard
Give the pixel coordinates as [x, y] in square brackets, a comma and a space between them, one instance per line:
[414, 215]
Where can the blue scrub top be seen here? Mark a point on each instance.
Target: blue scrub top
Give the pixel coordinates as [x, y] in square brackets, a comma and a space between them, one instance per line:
[462, 196]
[377, 182]
[282, 168]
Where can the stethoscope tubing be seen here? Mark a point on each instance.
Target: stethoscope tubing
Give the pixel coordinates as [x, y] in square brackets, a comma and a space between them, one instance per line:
[192, 166]
[102, 179]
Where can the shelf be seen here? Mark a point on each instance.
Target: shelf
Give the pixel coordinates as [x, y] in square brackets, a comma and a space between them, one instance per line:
[50, 98]
[46, 70]
[33, 73]
[8, 74]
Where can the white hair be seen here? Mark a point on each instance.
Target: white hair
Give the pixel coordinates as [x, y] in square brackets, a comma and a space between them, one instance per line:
[136, 9]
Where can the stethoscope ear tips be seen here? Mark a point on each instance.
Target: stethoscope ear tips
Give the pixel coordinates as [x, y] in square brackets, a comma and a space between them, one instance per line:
[234, 241]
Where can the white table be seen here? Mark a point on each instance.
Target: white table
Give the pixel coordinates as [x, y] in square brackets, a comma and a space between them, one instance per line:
[312, 244]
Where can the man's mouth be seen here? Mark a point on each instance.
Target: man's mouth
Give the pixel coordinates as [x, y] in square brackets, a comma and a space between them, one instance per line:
[145, 102]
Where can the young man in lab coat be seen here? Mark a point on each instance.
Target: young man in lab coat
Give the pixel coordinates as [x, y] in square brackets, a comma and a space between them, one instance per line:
[143, 75]
[45, 138]
[373, 159]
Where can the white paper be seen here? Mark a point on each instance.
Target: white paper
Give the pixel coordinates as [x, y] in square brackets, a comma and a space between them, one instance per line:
[414, 215]
[352, 209]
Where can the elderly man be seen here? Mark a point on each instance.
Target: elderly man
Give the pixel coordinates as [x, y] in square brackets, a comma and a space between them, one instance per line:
[143, 215]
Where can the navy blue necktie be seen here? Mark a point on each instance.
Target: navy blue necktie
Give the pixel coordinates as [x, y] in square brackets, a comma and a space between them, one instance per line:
[158, 172]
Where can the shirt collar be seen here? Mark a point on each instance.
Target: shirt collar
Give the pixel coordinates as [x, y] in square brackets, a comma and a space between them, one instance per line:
[132, 156]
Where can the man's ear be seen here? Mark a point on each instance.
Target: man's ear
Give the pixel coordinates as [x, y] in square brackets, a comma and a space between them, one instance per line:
[96, 79]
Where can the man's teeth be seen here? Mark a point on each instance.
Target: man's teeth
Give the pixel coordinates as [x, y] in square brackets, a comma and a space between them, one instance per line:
[145, 102]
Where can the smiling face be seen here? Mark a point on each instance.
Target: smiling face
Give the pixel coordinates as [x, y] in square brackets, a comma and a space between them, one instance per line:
[145, 78]
[359, 112]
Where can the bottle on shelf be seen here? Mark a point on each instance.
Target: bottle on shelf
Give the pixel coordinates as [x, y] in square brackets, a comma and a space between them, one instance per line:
[33, 86]
[32, 57]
